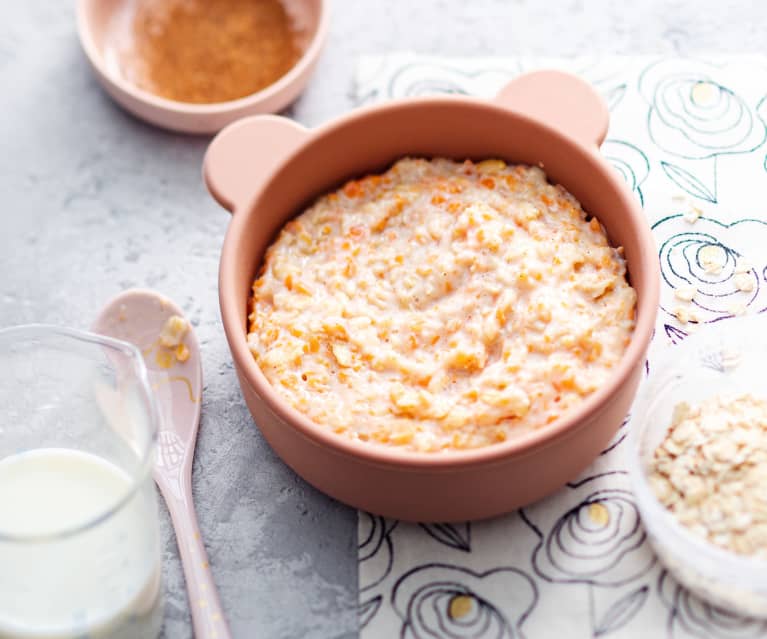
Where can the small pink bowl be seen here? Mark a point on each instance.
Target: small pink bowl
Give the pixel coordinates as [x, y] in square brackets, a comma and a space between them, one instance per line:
[97, 24]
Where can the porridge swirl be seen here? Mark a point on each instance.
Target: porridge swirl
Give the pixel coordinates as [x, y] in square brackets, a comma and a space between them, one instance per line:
[441, 305]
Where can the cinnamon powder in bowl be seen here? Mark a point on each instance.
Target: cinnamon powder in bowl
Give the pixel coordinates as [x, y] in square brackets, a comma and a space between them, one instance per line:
[206, 51]
[197, 65]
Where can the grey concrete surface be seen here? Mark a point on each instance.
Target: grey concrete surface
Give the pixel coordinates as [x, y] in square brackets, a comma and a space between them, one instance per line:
[93, 201]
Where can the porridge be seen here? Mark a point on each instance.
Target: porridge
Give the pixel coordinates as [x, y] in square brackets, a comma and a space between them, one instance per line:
[441, 305]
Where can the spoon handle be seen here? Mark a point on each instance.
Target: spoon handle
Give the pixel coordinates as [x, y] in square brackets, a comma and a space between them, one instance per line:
[207, 614]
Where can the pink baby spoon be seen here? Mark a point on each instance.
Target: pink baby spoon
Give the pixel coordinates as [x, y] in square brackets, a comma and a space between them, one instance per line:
[172, 356]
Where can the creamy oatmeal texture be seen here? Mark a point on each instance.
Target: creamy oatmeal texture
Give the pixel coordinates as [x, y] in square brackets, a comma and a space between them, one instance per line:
[710, 471]
[441, 305]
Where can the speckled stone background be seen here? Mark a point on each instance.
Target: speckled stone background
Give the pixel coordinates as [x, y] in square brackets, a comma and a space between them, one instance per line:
[93, 201]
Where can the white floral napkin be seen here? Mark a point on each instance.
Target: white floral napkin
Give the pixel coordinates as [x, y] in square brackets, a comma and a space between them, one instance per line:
[578, 564]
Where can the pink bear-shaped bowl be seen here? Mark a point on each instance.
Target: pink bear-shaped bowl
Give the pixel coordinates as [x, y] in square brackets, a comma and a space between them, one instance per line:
[267, 169]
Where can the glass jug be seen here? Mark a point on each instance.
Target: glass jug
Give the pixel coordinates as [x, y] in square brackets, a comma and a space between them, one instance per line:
[79, 535]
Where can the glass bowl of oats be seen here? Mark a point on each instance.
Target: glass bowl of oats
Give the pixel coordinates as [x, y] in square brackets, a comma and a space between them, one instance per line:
[698, 460]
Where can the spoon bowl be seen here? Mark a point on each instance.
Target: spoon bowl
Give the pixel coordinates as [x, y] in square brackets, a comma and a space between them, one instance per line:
[138, 316]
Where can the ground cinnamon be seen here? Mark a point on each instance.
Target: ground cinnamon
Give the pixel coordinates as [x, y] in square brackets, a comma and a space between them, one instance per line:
[206, 51]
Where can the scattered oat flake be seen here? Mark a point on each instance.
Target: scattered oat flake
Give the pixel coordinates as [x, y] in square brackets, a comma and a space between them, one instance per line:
[163, 358]
[679, 198]
[743, 266]
[682, 314]
[692, 215]
[712, 258]
[685, 293]
[182, 352]
[736, 308]
[173, 331]
[744, 282]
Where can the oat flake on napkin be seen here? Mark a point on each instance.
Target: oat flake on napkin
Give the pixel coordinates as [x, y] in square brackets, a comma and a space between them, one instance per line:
[577, 564]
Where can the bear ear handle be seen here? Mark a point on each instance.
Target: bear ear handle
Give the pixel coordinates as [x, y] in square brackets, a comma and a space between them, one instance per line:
[561, 100]
[243, 155]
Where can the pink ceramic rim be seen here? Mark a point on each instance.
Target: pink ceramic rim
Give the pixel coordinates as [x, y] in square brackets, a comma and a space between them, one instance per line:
[214, 108]
[524, 444]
